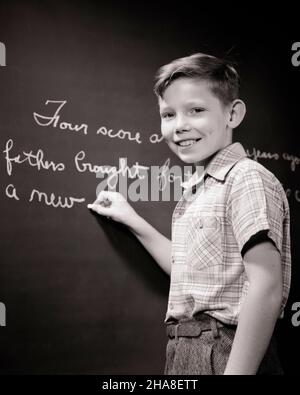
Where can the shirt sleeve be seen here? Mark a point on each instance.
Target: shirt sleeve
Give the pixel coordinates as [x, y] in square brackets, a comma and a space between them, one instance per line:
[259, 237]
[255, 205]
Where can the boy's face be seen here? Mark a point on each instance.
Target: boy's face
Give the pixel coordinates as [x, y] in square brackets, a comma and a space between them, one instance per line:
[194, 122]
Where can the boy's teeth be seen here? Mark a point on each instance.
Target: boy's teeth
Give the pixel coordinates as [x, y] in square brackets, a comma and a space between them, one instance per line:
[186, 142]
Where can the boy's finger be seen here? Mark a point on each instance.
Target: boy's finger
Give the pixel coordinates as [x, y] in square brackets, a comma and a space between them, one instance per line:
[110, 196]
[103, 198]
[104, 202]
[98, 209]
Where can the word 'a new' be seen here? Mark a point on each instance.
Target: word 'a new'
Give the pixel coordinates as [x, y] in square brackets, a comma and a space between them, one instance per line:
[42, 197]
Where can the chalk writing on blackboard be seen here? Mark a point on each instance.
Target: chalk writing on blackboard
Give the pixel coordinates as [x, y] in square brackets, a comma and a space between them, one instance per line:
[156, 138]
[158, 177]
[294, 160]
[83, 166]
[54, 120]
[290, 192]
[121, 134]
[42, 197]
[11, 192]
[257, 154]
[33, 159]
[53, 200]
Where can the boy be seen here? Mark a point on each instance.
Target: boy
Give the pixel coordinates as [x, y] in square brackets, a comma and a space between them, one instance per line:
[229, 258]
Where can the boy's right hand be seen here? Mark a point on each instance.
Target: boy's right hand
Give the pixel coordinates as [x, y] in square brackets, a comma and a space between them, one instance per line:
[114, 206]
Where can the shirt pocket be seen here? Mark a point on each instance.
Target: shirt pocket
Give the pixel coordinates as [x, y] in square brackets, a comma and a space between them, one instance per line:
[204, 242]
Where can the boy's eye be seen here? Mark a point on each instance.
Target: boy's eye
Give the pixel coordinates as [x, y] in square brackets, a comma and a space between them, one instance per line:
[196, 110]
[167, 115]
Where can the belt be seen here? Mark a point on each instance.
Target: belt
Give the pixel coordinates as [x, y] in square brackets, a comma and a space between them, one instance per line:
[193, 327]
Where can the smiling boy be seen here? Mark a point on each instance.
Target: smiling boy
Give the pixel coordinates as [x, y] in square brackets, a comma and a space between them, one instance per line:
[229, 258]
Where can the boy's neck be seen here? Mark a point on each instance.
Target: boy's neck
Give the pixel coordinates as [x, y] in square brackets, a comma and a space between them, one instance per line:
[202, 166]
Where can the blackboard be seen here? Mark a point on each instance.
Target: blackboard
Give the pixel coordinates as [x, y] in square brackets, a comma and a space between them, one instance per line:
[79, 294]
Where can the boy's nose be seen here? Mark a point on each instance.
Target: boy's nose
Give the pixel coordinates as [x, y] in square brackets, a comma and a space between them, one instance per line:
[182, 125]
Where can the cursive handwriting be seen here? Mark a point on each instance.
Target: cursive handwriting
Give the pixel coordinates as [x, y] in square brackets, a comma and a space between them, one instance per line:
[293, 159]
[124, 169]
[11, 192]
[35, 160]
[121, 134]
[87, 166]
[53, 120]
[66, 202]
[155, 138]
[257, 154]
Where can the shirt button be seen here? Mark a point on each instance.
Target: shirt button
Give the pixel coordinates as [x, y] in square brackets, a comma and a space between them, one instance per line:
[171, 306]
[200, 224]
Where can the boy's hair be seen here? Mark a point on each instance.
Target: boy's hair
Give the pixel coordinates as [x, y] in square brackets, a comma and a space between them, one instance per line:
[219, 73]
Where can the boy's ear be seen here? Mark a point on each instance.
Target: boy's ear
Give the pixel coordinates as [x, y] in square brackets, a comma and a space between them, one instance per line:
[237, 113]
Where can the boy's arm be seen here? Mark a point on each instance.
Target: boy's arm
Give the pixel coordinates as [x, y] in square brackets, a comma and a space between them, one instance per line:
[159, 246]
[115, 206]
[260, 309]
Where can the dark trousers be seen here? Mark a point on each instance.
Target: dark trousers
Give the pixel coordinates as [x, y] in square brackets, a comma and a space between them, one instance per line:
[201, 346]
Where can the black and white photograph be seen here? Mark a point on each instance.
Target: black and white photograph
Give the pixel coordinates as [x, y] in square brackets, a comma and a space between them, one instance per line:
[149, 191]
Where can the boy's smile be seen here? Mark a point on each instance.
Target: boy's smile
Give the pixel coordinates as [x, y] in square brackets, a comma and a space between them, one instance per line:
[194, 122]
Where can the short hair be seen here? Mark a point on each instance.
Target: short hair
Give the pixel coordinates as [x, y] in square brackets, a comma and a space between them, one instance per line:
[219, 73]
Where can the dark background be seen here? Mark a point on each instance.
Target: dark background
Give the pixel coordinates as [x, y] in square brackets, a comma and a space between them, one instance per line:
[81, 294]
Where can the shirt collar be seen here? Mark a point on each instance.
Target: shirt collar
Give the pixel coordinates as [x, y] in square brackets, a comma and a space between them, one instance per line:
[219, 165]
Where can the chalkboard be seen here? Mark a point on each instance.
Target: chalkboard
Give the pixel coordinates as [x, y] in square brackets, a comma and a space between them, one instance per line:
[78, 293]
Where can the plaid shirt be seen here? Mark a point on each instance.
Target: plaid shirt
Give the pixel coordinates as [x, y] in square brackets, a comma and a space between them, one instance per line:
[236, 198]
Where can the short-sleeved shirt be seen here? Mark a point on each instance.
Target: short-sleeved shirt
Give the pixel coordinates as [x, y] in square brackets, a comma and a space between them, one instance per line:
[236, 199]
